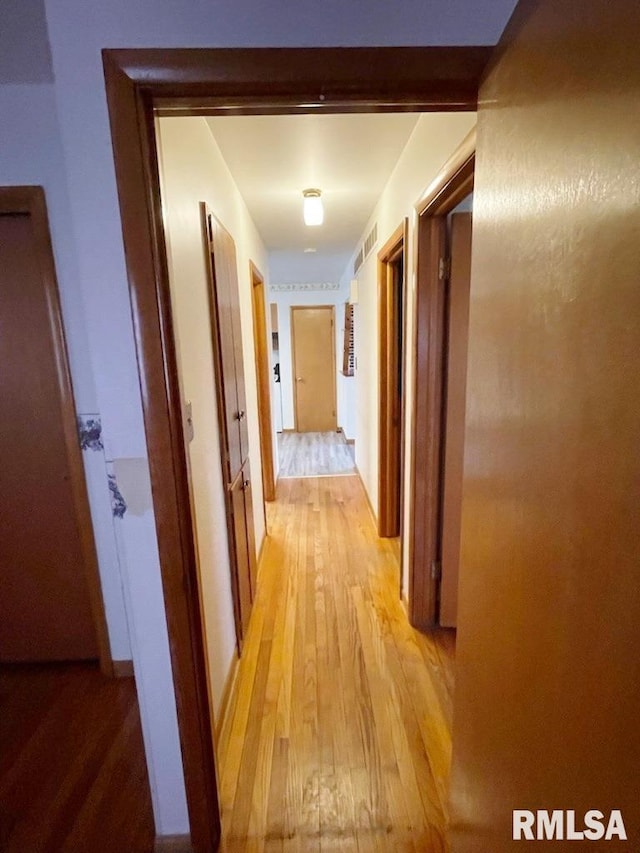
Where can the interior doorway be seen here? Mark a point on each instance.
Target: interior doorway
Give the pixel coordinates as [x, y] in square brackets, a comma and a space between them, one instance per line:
[391, 319]
[138, 82]
[440, 342]
[51, 605]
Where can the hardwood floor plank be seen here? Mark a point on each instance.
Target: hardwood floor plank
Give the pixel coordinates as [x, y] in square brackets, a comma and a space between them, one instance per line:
[339, 732]
[72, 767]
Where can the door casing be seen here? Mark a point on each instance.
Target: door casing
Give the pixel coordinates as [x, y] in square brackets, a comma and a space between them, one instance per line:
[204, 82]
[451, 185]
[391, 408]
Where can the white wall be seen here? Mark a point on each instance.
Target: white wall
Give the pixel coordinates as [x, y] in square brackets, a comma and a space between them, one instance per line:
[285, 300]
[192, 170]
[88, 233]
[33, 118]
[432, 142]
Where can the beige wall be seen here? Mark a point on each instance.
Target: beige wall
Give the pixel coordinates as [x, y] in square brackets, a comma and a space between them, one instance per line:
[192, 171]
[432, 142]
[548, 671]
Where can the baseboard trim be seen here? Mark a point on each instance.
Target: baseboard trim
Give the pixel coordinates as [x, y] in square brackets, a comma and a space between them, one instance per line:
[366, 494]
[261, 548]
[227, 693]
[122, 668]
[172, 844]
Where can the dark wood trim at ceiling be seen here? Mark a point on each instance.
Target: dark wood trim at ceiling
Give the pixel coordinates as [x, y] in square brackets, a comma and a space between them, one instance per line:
[30, 201]
[203, 81]
[450, 186]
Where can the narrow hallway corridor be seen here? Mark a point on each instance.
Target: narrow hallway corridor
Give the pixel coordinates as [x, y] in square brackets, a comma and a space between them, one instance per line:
[338, 734]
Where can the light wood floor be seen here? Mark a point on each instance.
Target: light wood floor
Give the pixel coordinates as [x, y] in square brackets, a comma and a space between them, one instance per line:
[308, 454]
[73, 777]
[338, 733]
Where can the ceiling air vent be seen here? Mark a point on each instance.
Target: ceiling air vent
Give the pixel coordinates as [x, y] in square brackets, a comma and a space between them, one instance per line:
[365, 249]
[359, 260]
[372, 239]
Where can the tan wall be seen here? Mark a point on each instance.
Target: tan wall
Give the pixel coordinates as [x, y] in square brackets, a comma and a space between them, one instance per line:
[192, 170]
[548, 698]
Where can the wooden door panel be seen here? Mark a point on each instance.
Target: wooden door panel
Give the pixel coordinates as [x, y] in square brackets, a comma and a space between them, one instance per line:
[45, 605]
[456, 384]
[250, 529]
[314, 365]
[234, 295]
[240, 547]
[427, 486]
[222, 310]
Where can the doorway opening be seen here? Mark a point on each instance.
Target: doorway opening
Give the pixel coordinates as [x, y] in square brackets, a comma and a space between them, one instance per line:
[392, 297]
[138, 81]
[440, 340]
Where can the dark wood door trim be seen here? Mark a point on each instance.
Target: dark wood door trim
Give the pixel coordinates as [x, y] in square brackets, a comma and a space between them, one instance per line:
[451, 185]
[263, 381]
[390, 417]
[30, 201]
[239, 80]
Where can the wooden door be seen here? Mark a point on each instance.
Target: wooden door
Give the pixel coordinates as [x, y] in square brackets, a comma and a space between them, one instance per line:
[227, 334]
[456, 384]
[230, 393]
[50, 599]
[547, 697]
[314, 368]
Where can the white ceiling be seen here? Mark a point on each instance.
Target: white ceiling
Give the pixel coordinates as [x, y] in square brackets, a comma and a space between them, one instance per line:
[274, 158]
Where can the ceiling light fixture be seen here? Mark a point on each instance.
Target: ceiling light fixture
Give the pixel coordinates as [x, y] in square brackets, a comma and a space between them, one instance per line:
[312, 207]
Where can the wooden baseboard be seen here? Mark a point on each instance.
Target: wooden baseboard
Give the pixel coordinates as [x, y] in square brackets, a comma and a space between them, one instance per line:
[227, 692]
[261, 548]
[122, 668]
[366, 494]
[172, 844]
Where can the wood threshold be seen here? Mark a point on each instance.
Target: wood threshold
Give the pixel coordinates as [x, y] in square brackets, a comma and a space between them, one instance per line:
[123, 669]
[172, 844]
[231, 80]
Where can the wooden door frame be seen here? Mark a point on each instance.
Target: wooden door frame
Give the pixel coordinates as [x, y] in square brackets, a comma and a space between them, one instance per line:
[201, 82]
[446, 191]
[30, 201]
[390, 468]
[263, 382]
[294, 369]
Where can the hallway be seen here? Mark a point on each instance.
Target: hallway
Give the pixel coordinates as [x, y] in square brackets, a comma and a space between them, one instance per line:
[337, 736]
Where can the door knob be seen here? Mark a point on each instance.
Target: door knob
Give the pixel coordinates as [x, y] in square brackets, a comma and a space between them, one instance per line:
[298, 378]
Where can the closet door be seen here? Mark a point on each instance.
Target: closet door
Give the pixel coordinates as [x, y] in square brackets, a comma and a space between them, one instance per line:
[226, 308]
[230, 394]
